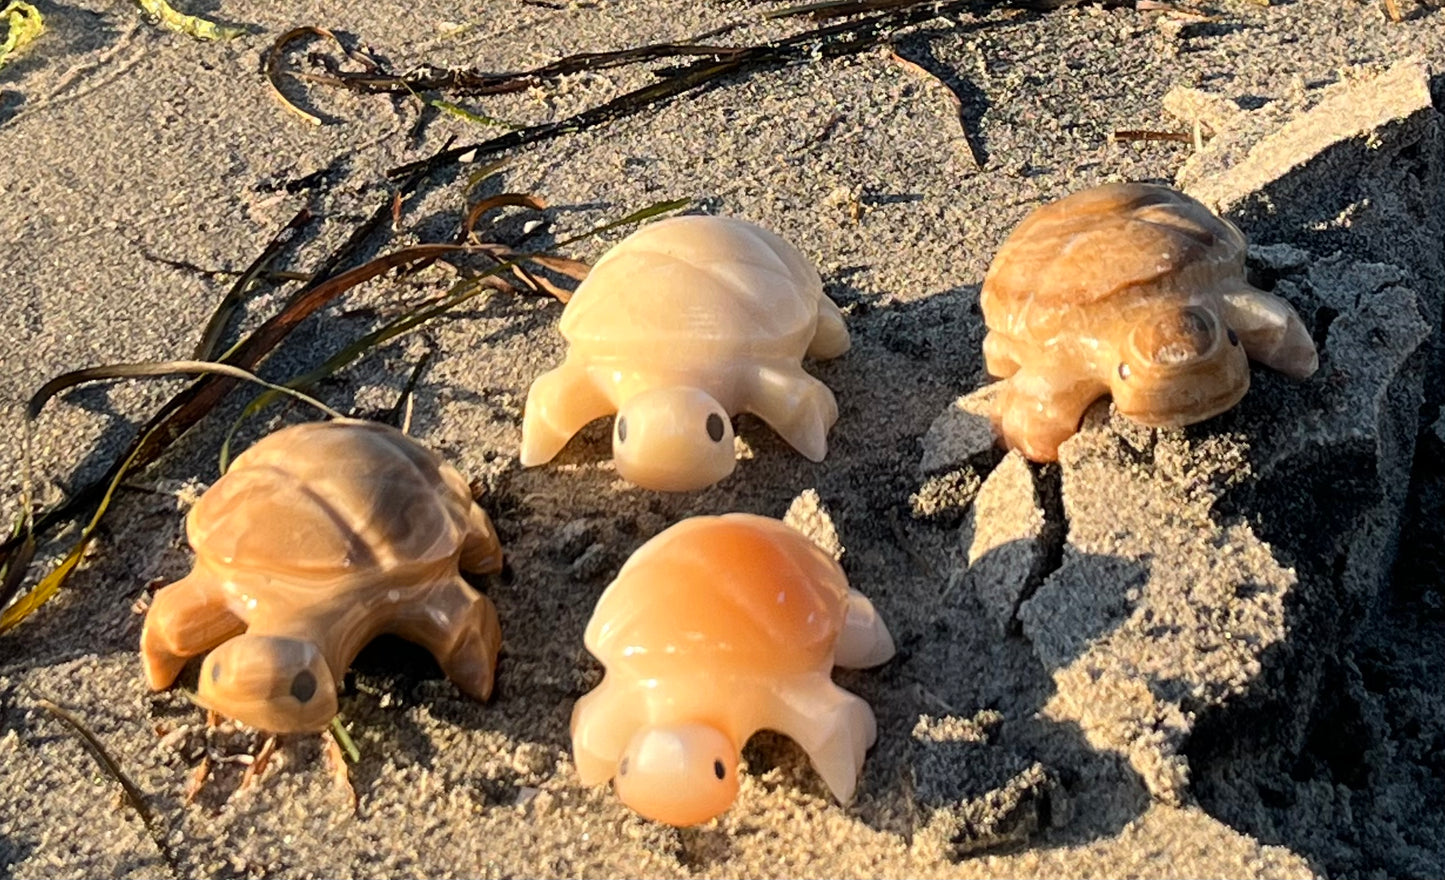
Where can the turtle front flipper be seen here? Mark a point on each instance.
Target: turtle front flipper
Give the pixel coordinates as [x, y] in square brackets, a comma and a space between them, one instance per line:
[459, 627]
[1037, 410]
[186, 618]
[999, 355]
[1271, 331]
[558, 404]
[601, 729]
[836, 728]
[796, 405]
[830, 339]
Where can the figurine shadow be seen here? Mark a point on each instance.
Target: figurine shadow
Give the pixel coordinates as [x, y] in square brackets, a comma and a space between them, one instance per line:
[973, 102]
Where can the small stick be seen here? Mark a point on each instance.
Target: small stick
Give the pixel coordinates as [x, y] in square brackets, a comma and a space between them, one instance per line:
[1137, 134]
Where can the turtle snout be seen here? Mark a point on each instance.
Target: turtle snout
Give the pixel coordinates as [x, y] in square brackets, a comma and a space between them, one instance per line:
[681, 774]
[276, 684]
[1178, 337]
[1180, 367]
[673, 440]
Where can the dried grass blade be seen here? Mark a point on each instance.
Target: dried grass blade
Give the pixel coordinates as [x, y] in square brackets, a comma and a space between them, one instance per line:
[476, 118]
[16, 564]
[400, 415]
[107, 763]
[161, 368]
[575, 269]
[102, 757]
[477, 177]
[839, 8]
[273, 59]
[460, 293]
[502, 200]
[190, 25]
[221, 317]
[56, 578]
[344, 739]
[177, 415]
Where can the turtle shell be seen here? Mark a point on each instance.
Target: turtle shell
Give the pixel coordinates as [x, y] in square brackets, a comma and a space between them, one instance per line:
[737, 593]
[327, 498]
[1094, 244]
[695, 279]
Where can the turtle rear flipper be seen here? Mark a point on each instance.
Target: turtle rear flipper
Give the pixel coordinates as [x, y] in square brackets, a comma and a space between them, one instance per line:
[836, 728]
[831, 338]
[459, 627]
[1271, 331]
[865, 641]
[796, 405]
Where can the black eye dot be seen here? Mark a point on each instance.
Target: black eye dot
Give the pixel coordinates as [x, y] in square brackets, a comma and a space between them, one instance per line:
[719, 769]
[303, 686]
[622, 768]
[1233, 337]
[1124, 371]
[622, 430]
[215, 672]
[715, 427]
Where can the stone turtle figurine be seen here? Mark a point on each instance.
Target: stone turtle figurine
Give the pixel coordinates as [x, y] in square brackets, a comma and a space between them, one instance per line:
[716, 628]
[319, 538]
[682, 324]
[1133, 290]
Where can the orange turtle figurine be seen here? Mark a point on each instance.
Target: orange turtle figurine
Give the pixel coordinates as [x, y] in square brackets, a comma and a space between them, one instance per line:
[319, 538]
[1133, 290]
[716, 628]
[682, 324]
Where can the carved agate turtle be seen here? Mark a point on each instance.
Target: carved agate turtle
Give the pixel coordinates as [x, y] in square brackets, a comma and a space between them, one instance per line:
[319, 538]
[716, 628]
[682, 324]
[1133, 290]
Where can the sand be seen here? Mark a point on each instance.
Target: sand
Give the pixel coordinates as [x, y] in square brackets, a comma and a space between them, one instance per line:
[1208, 652]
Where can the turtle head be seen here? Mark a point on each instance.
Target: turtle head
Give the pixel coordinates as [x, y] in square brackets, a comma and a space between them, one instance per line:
[1178, 366]
[673, 440]
[276, 684]
[681, 774]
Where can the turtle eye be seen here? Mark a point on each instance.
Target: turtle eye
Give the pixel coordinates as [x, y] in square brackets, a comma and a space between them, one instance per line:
[622, 768]
[715, 427]
[1124, 371]
[622, 430]
[215, 672]
[303, 686]
[719, 769]
[1233, 337]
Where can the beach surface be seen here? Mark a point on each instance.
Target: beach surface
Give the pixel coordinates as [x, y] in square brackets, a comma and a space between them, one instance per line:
[1214, 651]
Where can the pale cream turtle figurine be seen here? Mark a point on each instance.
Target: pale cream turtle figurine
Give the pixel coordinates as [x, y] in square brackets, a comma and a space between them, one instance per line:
[684, 323]
[1134, 290]
[319, 538]
[716, 628]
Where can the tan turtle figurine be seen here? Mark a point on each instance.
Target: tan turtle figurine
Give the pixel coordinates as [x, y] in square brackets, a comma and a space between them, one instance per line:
[684, 323]
[716, 628]
[320, 537]
[1134, 290]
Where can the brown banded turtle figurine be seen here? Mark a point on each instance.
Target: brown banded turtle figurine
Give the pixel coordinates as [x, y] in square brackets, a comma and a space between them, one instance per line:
[716, 628]
[683, 324]
[1134, 290]
[319, 538]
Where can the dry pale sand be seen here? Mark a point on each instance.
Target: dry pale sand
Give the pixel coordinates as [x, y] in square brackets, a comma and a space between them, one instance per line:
[1178, 653]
